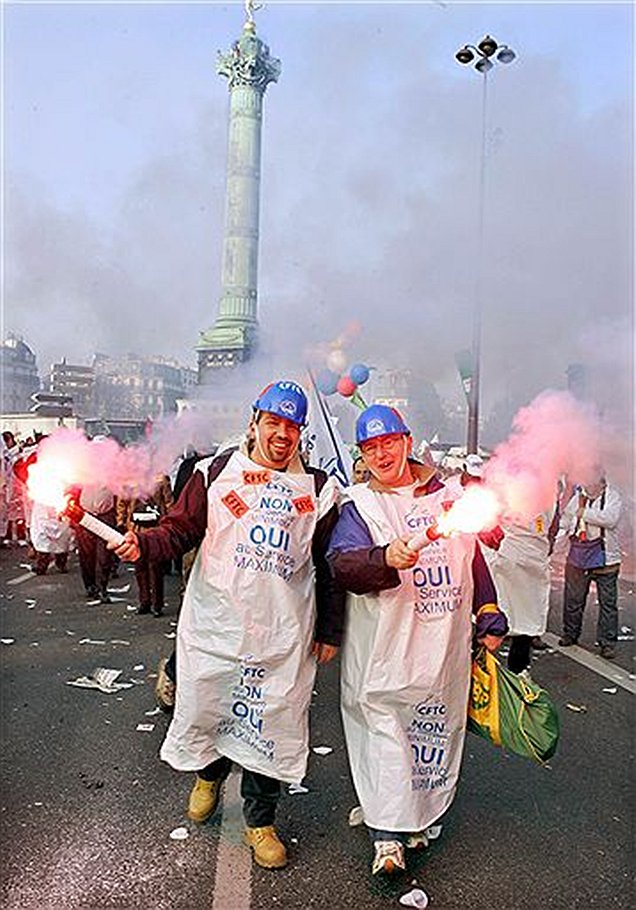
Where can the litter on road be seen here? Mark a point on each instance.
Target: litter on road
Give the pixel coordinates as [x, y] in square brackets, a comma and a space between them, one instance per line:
[102, 678]
[415, 898]
[580, 709]
[322, 750]
[179, 834]
[7, 641]
[611, 690]
[145, 728]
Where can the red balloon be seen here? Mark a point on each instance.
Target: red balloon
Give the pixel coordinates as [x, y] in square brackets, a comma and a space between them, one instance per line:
[346, 386]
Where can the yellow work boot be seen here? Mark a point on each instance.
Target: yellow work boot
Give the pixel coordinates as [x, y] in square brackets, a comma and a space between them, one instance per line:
[204, 799]
[269, 851]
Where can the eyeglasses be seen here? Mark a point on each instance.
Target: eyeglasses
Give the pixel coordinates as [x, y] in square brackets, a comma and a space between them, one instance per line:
[373, 447]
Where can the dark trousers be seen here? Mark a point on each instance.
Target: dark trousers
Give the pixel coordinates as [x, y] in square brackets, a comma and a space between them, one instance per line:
[519, 653]
[42, 561]
[577, 586]
[260, 793]
[150, 583]
[94, 558]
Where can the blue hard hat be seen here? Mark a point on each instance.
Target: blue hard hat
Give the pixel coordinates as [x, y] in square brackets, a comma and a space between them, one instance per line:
[380, 420]
[285, 399]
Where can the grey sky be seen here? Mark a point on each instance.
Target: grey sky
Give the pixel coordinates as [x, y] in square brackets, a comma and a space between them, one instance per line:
[114, 141]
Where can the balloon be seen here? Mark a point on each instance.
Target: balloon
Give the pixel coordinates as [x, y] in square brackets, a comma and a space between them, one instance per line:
[359, 372]
[346, 386]
[327, 382]
[336, 360]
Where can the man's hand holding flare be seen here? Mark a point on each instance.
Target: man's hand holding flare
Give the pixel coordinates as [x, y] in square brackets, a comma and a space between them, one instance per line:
[399, 555]
[128, 551]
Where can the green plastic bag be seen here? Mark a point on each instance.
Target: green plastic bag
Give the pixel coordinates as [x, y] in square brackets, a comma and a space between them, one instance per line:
[511, 711]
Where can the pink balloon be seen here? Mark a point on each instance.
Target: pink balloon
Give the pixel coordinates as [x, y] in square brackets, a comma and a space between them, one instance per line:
[346, 386]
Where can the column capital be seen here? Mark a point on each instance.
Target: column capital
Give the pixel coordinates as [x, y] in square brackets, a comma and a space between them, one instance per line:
[248, 63]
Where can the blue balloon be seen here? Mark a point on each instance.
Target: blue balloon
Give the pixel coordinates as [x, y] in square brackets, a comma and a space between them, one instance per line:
[359, 372]
[327, 382]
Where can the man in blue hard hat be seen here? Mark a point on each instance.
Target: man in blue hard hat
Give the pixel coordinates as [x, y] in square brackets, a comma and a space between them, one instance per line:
[259, 612]
[406, 658]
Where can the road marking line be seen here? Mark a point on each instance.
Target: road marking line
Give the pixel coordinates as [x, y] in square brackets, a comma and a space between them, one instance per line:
[233, 874]
[21, 578]
[597, 664]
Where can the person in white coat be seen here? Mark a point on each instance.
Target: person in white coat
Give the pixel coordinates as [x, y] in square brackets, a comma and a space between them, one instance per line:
[590, 521]
[406, 658]
[520, 568]
[260, 611]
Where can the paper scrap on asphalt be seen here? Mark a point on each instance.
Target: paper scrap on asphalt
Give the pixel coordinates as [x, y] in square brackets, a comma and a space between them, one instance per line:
[131, 608]
[121, 590]
[93, 603]
[7, 641]
[102, 678]
[139, 667]
[35, 644]
[356, 816]
[170, 634]
[322, 750]
[91, 641]
[611, 690]
[581, 709]
[179, 834]
[30, 604]
[68, 632]
[433, 832]
[297, 788]
[415, 898]
[119, 641]
[145, 728]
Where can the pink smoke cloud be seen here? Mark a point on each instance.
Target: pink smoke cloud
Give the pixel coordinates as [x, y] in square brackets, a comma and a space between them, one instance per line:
[554, 436]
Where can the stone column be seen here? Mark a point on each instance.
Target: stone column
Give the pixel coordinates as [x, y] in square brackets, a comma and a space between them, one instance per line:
[249, 69]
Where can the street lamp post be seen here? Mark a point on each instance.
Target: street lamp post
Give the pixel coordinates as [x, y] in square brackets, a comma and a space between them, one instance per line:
[483, 57]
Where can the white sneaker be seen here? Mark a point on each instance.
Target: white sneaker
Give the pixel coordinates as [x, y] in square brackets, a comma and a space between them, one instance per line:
[417, 841]
[389, 856]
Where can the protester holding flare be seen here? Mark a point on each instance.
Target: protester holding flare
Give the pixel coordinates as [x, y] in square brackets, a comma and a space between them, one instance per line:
[260, 610]
[407, 652]
[590, 521]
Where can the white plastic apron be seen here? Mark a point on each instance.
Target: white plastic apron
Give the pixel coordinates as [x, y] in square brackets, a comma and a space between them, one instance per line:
[244, 668]
[48, 533]
[521, 572]
[406, 670]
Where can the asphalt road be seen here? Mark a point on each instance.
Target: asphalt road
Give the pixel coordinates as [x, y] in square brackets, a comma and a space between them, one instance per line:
[87, 808]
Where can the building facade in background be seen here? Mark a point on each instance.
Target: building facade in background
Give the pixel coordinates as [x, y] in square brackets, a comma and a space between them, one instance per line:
[19, 378]
[127, 387]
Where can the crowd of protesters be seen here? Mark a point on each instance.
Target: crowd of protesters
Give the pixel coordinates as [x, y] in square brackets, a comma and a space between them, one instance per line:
[280, 568]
